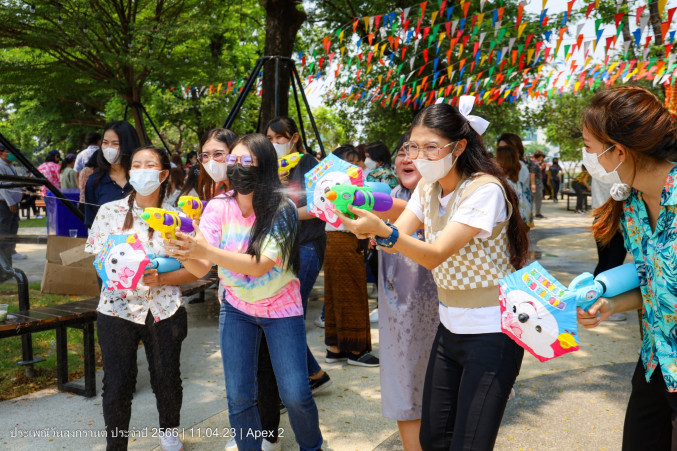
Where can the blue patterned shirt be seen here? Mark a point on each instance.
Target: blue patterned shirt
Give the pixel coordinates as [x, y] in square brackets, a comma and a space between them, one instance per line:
[655, 254]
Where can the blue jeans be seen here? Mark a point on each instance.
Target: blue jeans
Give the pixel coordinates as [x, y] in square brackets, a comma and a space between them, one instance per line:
[240, 335]
[310, 268]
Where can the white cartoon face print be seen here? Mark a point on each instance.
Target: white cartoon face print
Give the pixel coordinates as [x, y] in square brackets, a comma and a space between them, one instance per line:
[530, 322]
[122, 263]
[323, 186]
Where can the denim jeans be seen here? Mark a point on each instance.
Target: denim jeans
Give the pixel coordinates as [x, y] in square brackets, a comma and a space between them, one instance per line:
[240, 336]
[310, 268]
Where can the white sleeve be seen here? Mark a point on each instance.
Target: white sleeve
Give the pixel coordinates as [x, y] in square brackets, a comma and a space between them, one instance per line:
[483, 209]
[414, 205]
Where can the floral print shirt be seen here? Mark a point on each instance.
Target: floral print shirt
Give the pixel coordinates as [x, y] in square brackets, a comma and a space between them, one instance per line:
[385, 175]
[133, 305]
[51, 171]
[655, 254]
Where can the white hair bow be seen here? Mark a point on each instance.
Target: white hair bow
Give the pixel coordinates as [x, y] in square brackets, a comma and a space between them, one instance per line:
[465, 105]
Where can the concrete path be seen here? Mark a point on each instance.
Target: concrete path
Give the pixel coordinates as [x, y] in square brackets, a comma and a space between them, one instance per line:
[573, 402]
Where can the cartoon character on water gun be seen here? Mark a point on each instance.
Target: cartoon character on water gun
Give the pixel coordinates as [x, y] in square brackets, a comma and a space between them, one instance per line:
[163, 264]
[288, 162]
[167, 222]
[360, 197]
[192, 206]
[585, 289]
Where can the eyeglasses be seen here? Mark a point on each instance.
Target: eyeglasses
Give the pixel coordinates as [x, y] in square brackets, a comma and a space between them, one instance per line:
[412, 150]
[219, 157]
[245, 160]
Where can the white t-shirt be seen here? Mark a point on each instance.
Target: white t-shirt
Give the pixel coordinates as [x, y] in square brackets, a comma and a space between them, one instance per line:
[483, 209]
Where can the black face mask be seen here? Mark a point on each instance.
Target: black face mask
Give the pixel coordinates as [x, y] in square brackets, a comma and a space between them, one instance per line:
[242, 180]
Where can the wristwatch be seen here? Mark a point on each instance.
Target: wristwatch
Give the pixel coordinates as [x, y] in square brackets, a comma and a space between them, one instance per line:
[391, 240]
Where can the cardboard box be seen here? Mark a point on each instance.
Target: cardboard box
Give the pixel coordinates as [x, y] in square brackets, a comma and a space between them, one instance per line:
[69, 270]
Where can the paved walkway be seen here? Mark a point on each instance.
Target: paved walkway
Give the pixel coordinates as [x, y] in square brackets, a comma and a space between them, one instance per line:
[573, 402]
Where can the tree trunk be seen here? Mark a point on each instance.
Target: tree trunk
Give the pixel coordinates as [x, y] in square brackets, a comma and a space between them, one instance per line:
[627, 35]
[283, 21]
[655, 20]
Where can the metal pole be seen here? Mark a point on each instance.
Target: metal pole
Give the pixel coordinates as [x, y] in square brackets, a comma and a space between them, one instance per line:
[298, 111]
[310, 114]
[241, 97]
[154, 127]
[277, 87]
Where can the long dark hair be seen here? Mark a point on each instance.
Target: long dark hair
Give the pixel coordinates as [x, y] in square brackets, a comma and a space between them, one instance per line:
[129, 141]
[634, 118]
[205, 184]
[275, 213]
[507, 158]
[285, 126]
[379, 152]
[448, 122]
[166, 165]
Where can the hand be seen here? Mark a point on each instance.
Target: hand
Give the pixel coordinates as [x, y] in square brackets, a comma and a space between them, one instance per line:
[598, 312]
[365, 225]
[151, 278]
[186, 247]
[14, 208]
[533, 188]
[284, 177]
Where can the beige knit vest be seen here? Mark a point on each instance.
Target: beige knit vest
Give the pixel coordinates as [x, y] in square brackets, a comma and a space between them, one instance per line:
[469, 278]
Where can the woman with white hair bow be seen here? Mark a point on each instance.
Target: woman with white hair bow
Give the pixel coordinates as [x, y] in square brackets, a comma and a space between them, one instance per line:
[472, 239]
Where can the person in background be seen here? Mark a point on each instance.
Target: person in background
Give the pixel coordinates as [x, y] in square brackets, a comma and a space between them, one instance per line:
[379, 164]
[68, 177]
[508, 159]
[110, 181]
[51, 169]
[177, 162]
[555, 177]
[92, 143]
[536, 182]
[526, 201]
[409, 314]
[191, 159]
[9, 211]
[581, 185]
[176, 179]
[87, 171]
[190, 185]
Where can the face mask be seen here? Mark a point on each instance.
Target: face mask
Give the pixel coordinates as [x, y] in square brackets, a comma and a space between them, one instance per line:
[432, 171]
[11, 157]
[144, 181]
[619, 190]
[370, 164]
[242, 180]
[217, 171]
[111, 154]
[282, 149]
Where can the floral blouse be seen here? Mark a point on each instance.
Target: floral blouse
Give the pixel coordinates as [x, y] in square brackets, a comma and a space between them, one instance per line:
[655, 254]
[133, 305]
[51, 171]
[383, 174]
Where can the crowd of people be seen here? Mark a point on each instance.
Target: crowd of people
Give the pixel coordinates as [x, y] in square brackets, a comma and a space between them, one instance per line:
[459, 223]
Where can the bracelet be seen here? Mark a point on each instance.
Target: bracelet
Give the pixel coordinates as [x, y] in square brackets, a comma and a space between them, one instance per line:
[391, 240]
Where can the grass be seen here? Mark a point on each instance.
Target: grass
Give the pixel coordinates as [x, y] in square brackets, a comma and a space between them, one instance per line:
[33, 222]
[13, 381]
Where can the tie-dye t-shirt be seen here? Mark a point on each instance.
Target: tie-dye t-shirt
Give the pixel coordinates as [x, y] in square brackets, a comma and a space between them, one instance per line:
[275, 294]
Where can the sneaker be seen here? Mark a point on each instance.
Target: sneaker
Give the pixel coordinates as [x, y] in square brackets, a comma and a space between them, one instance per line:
[231, 445]
[362, 359]
[320, 383]
[334, 357]
[540, 216]
[39, 217]
[269, 446]
[18, 256]
[512, 394]
[373, 316]
[170, 440]
[283, 408]
[617, 317]
[319, 322]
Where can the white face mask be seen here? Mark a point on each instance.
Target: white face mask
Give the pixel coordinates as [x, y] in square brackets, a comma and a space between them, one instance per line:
[597, 171]
[144, 181]
[370, 164]
[216, 170]
[111, 154]
[282, 149]
[432, 171]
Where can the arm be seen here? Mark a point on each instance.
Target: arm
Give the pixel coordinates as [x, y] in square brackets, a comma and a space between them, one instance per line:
[605, 307]
[395, 211]
[303, 213]
[152, 278]
[532, 179]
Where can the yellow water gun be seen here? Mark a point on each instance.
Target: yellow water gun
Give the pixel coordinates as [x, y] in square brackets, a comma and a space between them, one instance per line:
[192, 206]
[288, 162]
[167, 222]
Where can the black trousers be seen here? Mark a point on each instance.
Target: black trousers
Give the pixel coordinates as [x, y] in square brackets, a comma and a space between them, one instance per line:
[581, 195]
[268, 397]
[119, 341]
[9, 225]
[611, 255]
[651, 416]
[466, 388]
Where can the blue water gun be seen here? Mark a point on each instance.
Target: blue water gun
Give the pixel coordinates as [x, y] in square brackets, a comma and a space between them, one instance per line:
[163, 264]
[585, 289]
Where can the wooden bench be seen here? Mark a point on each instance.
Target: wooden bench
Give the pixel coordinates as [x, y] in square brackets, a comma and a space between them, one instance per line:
[569, 193]
[26, 209]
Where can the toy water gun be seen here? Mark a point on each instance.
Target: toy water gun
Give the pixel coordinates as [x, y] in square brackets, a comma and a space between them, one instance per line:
[163, 264]
[288, 162]
[585, 289]
[192, 206]
[167, 222]
[360, 197]
[380, 187]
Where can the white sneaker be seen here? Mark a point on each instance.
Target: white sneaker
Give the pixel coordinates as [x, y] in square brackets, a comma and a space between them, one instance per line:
[373, 316]
[319, 322]
[170, 441]
[39, 217]
[18, 256]
[267, 446]
[232, 445]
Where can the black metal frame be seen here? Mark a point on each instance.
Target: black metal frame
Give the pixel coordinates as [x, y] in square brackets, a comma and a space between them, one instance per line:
[295, 81]
[141, 111]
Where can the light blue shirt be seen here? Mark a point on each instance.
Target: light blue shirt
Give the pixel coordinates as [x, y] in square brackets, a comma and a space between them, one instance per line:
[12, 195]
